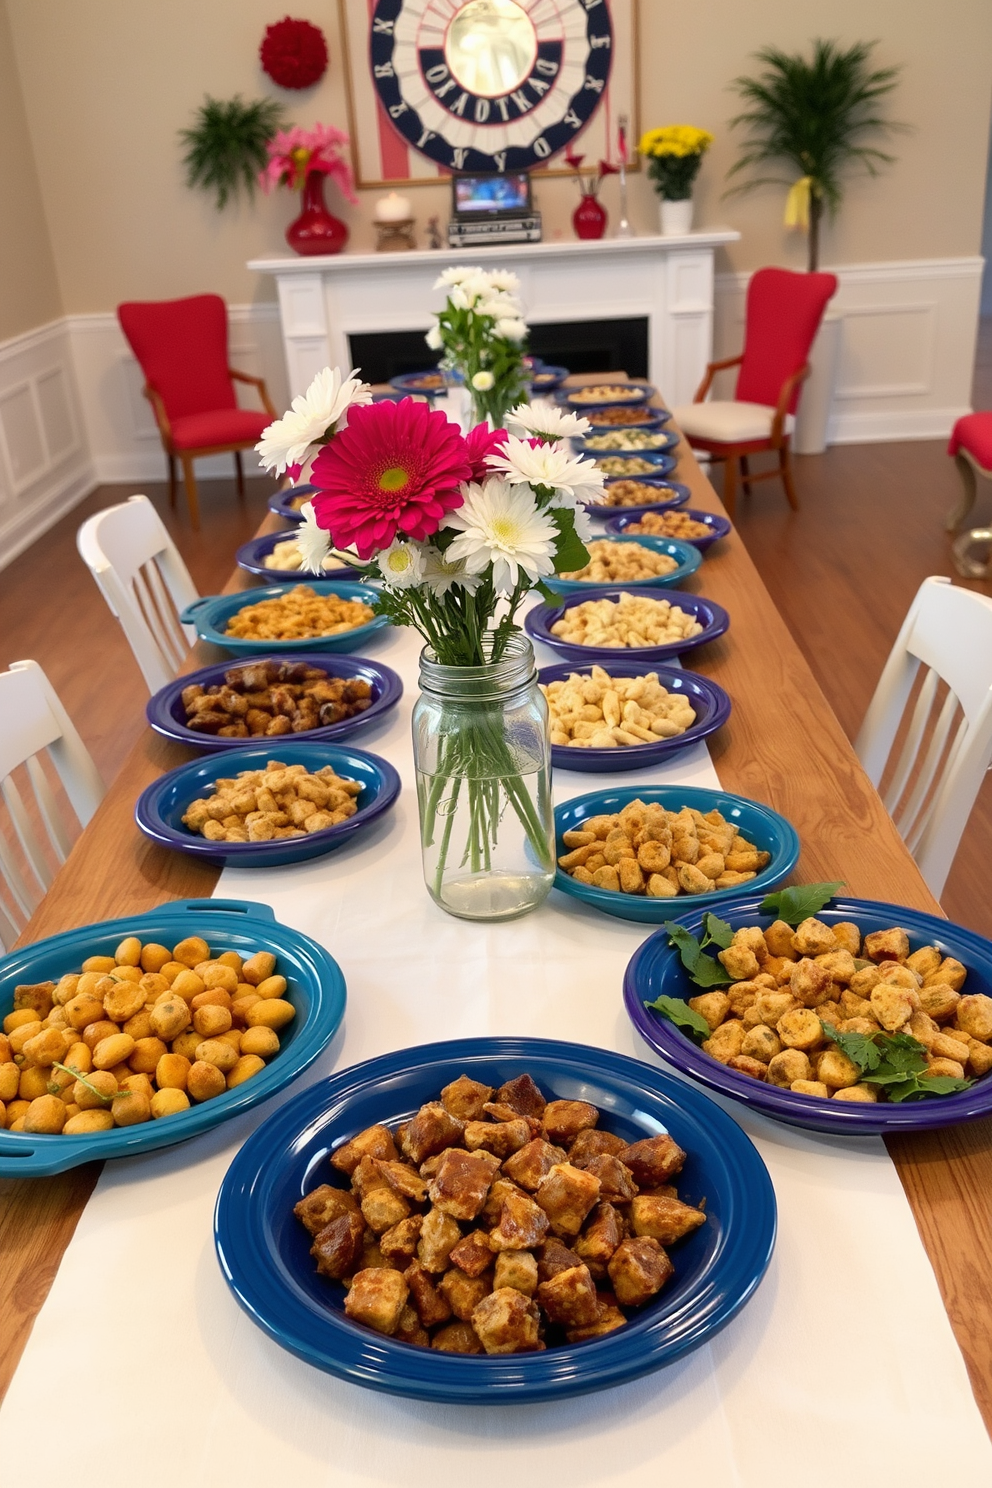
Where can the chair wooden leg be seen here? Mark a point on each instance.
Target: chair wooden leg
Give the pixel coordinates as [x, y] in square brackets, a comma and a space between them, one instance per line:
[239, 475]
[785, 468]
[172, 479]
[730, 484]
[745, 476]
[192, 499]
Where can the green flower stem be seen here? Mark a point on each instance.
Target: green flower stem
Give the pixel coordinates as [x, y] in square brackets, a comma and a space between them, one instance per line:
[442, 857]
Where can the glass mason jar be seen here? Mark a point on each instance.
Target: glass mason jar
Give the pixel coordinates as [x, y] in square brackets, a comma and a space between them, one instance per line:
[483, 762]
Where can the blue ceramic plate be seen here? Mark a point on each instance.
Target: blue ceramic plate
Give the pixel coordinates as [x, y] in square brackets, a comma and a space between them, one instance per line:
[211, 614]
[655, 970]
[430, 383]
[686, 556]
[711, 616]
[545, 378]
[160, 808]
[650, 419]
[663, 464]
[282, 502]
[634, 392]
[316, 988]
[759, 824]
[251, 555]
[671, 494]
[167, 716]
[264, 1250]
[711, 704]
[719, 526]
[670, 440]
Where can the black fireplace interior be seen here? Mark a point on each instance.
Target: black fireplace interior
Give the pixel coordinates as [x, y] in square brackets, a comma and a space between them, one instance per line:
[582, 346]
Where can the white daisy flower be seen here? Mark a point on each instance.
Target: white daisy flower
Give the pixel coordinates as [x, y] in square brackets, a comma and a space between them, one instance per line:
[476, 286]
[326, 400]
[511, 330]
[459, 299]
[440, 573]
[483, 381]
[313, 542]
[584, 525]
[521, 462]
[454, 275]
[546, 421]
[401, 564]
[504, 279]
[500, 524]
[434, 338]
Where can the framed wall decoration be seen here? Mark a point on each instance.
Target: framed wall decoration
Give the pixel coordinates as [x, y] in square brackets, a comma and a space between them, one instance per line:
[436, 86]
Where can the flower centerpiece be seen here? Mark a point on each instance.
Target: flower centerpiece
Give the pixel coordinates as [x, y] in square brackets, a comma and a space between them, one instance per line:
[303, 159]
[455, 530]
[483, 335]
[674, 154]
[589, 218]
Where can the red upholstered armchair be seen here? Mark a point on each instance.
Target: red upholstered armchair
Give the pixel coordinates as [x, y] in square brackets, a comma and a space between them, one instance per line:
[181, 346]
[784, 311]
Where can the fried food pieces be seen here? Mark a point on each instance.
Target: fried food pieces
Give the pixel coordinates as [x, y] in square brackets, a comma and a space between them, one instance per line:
[630, 621]
[636, 493]
[286, 555]
[626, 465]
[265, 699]
[621, 563]
[299, 614]
[624, 439]
[444, 1243]
[604, 712]
[268, 805]
[662, 524]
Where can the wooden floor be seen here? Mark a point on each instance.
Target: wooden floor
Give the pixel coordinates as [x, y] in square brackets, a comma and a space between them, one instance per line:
[842, 570]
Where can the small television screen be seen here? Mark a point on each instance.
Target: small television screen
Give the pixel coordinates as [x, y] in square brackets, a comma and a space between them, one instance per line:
[490, 195]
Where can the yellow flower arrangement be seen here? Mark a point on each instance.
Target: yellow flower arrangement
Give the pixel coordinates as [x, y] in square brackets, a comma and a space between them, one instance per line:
[675, 139]
[674, 154]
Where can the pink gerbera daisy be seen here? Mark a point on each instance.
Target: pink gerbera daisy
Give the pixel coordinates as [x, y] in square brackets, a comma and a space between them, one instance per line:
[396, 468]
[482, 442]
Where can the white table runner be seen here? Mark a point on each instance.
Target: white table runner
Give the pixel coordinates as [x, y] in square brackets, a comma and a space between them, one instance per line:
[842, 1369]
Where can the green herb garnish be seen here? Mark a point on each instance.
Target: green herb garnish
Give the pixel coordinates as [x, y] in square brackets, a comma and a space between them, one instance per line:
[799, 902]
[703, 969]
[680, 1013]
[77, 1075]
[896, 1062]
[716, 931]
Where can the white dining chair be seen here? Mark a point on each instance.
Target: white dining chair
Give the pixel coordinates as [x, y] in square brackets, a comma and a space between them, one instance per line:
[145, 582]
[33, 722]
[947, 746]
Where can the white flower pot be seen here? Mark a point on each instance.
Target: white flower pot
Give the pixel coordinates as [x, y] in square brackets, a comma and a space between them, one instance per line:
[676, 217]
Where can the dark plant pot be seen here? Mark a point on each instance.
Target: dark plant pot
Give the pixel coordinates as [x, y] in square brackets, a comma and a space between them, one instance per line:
[589, 218]
[315, 230]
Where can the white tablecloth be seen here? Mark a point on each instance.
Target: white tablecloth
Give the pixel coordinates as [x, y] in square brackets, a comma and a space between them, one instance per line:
[842, 1369]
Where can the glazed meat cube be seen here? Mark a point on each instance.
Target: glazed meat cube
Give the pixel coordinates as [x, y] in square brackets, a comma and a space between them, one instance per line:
[375, 1141]
[523, 1095]
[400, 1243]
[517, 1269]
[461, 1184]
[404, 1179]
[497, 1111]
[506, 1322]
[886, 945]
[601, 1236]
[569, 1298]
[377, 1299]
[317, 1209]
[410, 1330]
[208, 721]
[566, 1195]
[439, 1234]
[522, 1224]
[338, 1247]
[457, 1338]
[255, 676]
[616, 1182]
[189, 693]
[383, 1208]
[430, 1306]
[665, 1220]
[554, 1256]
[493, 1207]
[474, 1254]
[431, 1130]
[367, 1178]
[564, 1119]
[653, 1161]
[498, 1137]
[465, 1098]
[610, 1317]
[591, 1143]
[638, 1270]
[532, 1163]
[463, 1293]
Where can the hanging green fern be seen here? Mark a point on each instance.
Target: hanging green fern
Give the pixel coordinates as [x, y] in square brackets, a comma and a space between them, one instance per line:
[225, 149]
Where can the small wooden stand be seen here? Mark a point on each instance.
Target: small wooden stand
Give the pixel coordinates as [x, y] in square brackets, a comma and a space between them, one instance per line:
[395, 237]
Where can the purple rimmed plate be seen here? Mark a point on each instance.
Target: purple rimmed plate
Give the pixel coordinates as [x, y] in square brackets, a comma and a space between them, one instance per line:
[719, 526]
[711, 616]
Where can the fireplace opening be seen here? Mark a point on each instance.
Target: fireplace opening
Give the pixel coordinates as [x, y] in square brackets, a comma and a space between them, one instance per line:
[580, 345]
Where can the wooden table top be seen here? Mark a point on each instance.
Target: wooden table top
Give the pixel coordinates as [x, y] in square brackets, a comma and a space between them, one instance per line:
[782, 745]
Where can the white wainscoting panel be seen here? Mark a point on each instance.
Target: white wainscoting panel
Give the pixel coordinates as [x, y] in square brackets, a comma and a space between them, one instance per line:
[907, 346]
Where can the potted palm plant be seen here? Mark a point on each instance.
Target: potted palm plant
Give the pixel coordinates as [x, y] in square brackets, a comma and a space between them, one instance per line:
[816, 117]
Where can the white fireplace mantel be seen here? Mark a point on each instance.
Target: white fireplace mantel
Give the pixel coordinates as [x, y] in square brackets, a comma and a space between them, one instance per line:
[323, 300]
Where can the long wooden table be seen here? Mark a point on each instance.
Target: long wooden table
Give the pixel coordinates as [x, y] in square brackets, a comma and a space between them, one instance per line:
[782, 745]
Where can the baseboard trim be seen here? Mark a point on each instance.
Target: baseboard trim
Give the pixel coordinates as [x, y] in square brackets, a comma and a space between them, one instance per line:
[125, 468]
[24, 527]
[892, 427]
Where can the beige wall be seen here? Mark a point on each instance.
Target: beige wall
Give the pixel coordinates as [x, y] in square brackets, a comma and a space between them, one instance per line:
[107, 83]
[29, 291]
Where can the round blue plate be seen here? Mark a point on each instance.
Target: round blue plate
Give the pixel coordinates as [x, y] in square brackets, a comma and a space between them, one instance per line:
[160, 808]
[250, 556]
[635, 392]
[663, 464]
[711, 704]
[671, 439]
[545, 378]
[686, 556]
[264, 1250]
[167, 716]
[653, 418]
[211, 614]
[671, 494]
[316, 989]
[655, 970]
[759, 824]
[412, 382]
[711, 616]
[281, 502]
[719, 526]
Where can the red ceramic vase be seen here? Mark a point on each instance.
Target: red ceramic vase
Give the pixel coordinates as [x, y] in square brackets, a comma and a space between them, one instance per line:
[315, 230]
[589, 218]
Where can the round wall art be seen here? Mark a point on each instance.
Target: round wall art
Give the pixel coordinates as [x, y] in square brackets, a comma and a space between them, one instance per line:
[490, 85]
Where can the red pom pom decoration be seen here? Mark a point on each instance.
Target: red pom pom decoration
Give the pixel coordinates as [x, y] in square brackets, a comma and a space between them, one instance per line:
[293, 53]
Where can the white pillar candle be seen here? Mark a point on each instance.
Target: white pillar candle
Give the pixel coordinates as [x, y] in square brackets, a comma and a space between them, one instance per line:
[393, 208]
